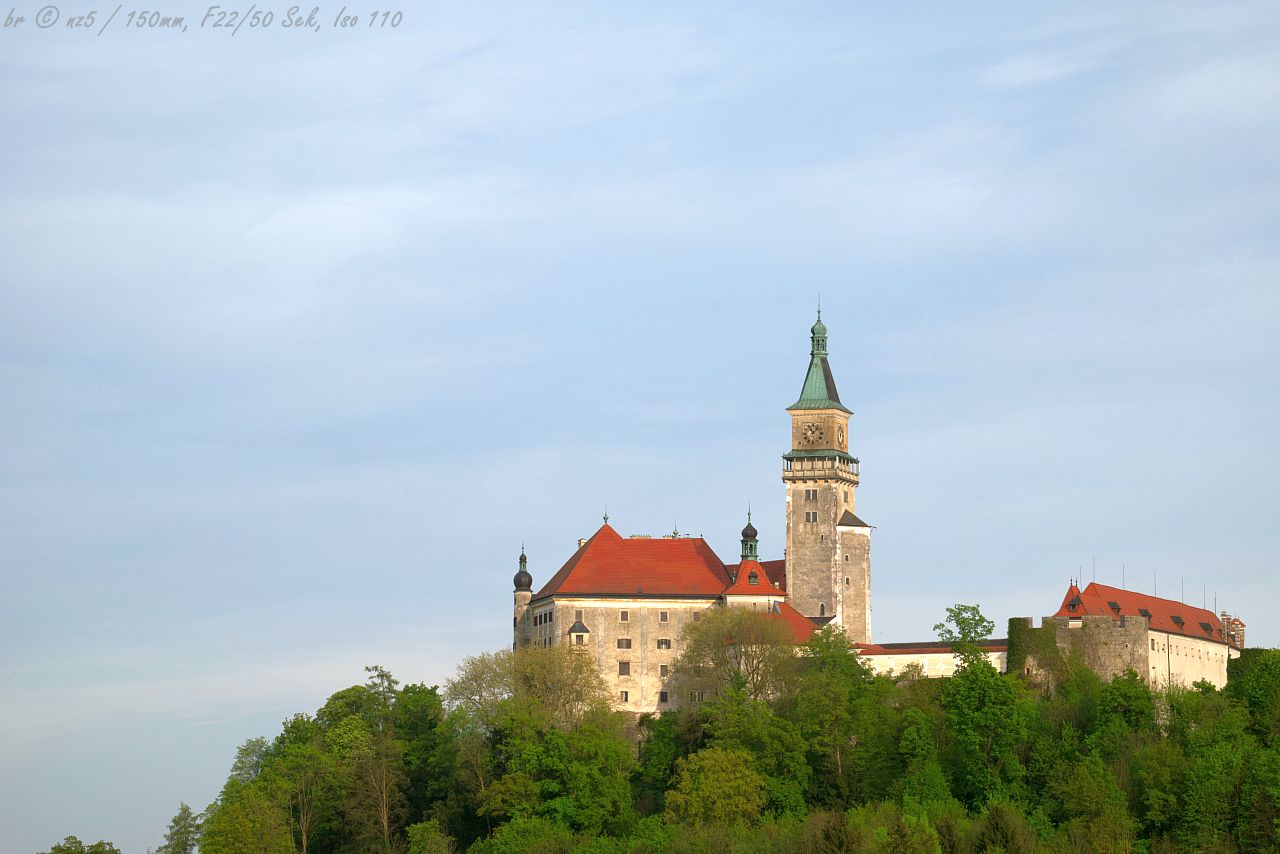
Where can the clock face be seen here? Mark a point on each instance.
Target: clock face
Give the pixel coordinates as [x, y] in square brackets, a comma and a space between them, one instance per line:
[813, 433]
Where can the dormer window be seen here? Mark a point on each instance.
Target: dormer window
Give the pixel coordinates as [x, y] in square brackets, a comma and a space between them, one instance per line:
[752, 578]
[1144, 612]
[1114, 606]
[577, 634]
[1178, 620]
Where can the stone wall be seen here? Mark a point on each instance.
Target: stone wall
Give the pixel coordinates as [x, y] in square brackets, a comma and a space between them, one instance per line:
[853, 581]
[1109, 646]
[643, 628]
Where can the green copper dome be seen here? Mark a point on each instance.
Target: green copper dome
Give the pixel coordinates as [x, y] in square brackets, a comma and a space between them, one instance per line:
[819, 390]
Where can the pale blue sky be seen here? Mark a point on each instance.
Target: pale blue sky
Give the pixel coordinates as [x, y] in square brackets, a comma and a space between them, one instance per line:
[302, 334]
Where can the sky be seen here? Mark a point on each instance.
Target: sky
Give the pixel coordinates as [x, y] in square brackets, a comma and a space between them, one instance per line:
[302, 334]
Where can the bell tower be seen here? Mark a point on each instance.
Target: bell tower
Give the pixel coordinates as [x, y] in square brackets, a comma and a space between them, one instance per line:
[828, 547]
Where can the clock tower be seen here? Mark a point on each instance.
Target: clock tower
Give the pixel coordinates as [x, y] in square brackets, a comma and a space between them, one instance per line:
[828, 547]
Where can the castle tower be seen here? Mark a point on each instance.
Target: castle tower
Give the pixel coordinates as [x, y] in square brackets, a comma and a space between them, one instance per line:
[523, 583]
[828, 547]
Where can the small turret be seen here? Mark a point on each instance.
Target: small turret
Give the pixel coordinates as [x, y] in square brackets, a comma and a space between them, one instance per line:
[523, 580]
[523, 583]
[750, 548]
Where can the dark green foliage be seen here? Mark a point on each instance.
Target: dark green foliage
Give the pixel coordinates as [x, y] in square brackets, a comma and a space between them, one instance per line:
[835, 760]
[1004, 828]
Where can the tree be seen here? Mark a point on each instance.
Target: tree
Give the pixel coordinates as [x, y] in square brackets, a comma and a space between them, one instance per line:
[72, 845]
[420, 724]
[249, 760]
[245, 820]
[777, 749]
[965, 629]
[562, 682]
[831, 678]
[737, 648]
[987, 721]
[304, 777]
[183, 834]
[577, 777]
[426, 837]
[371, 762]
[1261, 693]
[716, 786]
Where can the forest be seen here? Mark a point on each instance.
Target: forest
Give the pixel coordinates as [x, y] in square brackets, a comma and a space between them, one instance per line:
[790, 751]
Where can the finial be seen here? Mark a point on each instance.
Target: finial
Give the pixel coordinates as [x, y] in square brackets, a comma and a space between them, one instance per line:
[819, 305]
[675, 528]
[606, 514]
[748, 511]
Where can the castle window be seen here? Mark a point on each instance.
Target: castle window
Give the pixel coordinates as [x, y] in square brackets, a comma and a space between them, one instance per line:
[662, 616]
[696, 696]
[846, 496]
[1153, 644]
[623, 695]
[624, 643]
[846, 558]
[623, 616]
[811, 495]
[662, 696]
[624, 668]
[822, 609]
[846, 578]
[577, 615]
[663, 670]
[579, 640]
[664, 643]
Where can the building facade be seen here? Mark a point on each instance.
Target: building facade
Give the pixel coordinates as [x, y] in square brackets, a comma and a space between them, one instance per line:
[1112, 630]
[625, 600]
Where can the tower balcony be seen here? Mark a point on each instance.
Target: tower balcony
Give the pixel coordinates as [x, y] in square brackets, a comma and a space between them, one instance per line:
[819, 465]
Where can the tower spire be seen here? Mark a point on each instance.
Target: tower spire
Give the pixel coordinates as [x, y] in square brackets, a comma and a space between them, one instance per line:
[819, 390]
[750, 547]
[523, 581]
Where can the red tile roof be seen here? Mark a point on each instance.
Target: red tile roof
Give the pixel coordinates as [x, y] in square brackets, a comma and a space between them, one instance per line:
[776, 570]
[607, 564]
[743, 586]
[801, 626]
[1096, 599]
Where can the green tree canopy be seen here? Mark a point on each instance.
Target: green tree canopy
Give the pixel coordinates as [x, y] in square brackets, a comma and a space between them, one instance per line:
[736, 648]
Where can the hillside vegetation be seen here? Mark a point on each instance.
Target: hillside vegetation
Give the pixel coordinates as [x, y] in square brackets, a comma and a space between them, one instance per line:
[520, 752]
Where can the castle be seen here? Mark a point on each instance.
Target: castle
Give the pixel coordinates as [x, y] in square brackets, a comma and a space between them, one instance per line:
[625, 600]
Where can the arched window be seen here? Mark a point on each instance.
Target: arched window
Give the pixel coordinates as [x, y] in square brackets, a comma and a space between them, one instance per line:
[822, 609]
